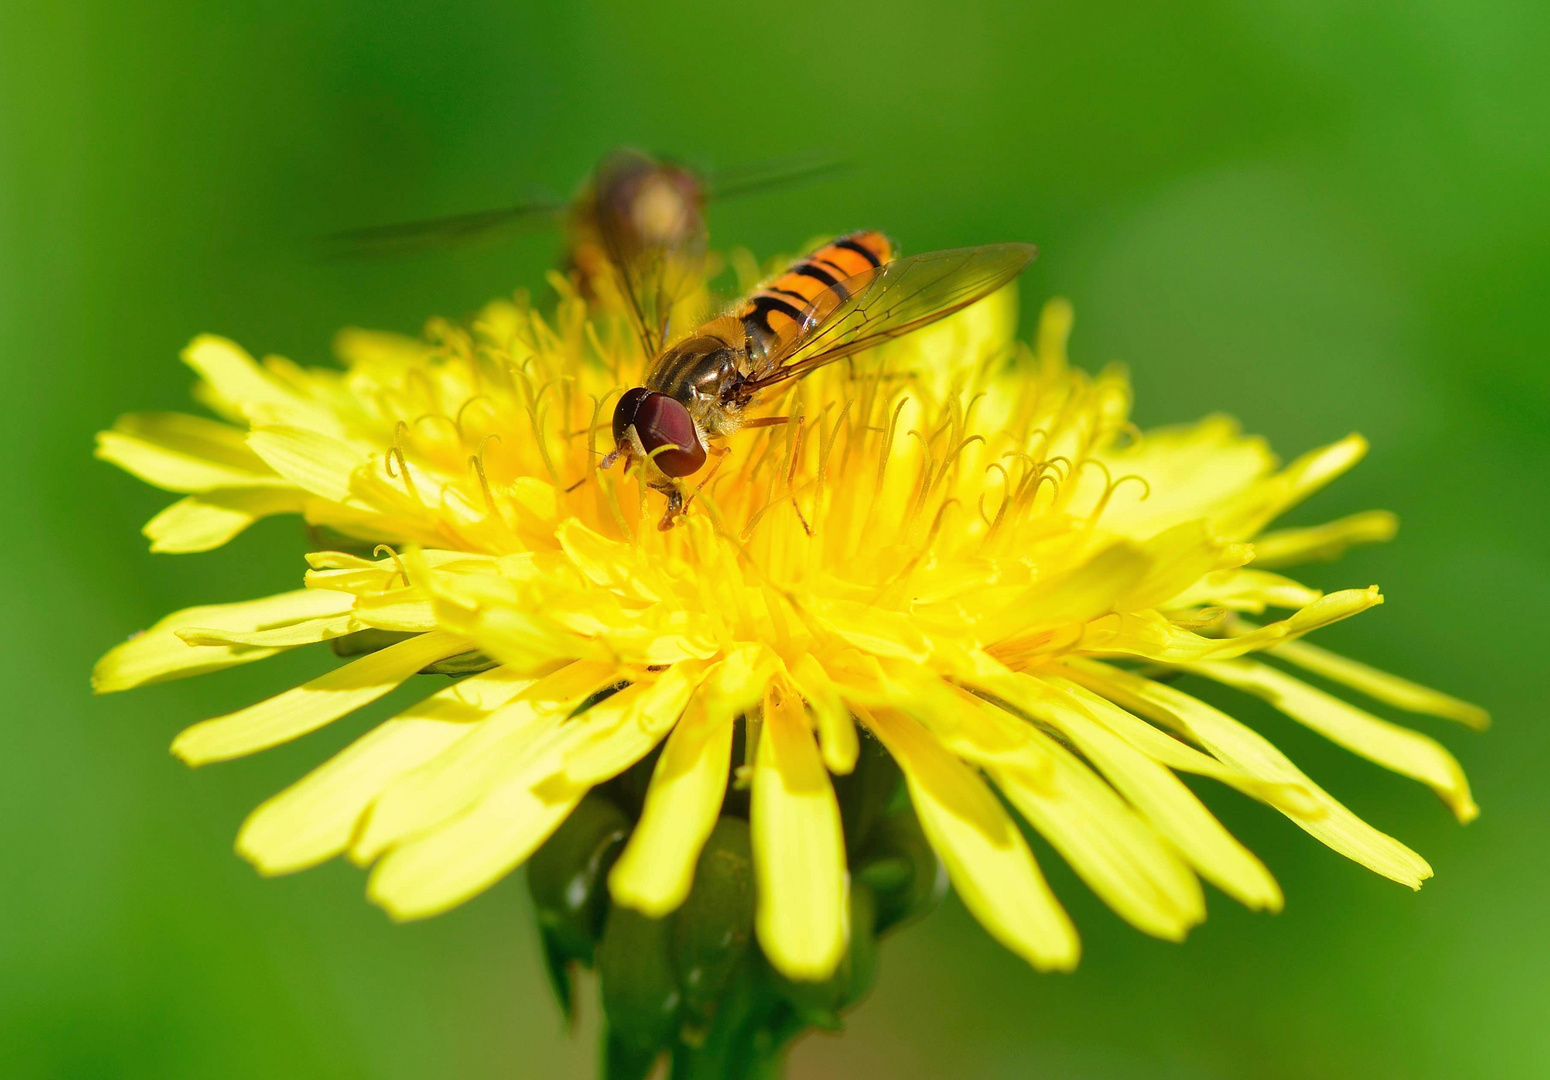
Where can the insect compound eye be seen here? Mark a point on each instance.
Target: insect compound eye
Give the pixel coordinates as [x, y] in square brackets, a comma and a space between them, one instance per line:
[624, 412]
[660, 421]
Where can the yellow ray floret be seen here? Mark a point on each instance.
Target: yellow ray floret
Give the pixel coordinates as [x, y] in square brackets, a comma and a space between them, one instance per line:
[959, 548]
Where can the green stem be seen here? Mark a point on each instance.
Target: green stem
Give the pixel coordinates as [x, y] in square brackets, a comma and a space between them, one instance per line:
[746, 1039]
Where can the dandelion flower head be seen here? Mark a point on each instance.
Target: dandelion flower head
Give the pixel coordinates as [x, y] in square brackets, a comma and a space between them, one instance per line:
[959, 552]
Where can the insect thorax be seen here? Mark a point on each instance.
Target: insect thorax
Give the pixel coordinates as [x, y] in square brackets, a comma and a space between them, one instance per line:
[703, 371]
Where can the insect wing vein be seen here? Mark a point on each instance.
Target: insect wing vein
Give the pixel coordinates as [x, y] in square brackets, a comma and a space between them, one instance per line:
[880, 304]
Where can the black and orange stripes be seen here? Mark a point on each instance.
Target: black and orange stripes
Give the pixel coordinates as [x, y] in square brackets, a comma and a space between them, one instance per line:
[772, 316]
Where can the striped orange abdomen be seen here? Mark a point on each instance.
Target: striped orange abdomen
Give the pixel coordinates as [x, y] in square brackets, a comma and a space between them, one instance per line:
[772, 316]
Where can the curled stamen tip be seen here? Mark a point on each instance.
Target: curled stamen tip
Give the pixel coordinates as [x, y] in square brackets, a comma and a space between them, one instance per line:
[376, 553]
[1146, 492]
[443, 417]
[403, 467]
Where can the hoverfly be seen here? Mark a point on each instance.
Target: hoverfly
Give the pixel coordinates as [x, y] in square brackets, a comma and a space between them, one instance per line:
[638, 219]
[847, 296]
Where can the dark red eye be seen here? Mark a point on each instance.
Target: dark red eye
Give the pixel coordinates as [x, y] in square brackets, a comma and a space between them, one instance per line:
[660, 421]
[624, 412]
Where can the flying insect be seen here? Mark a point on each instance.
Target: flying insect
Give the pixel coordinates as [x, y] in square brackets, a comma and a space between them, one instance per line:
[638, 221]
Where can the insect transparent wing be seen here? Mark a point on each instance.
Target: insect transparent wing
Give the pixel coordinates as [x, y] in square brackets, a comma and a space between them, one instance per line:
[657, 260]
[413, 237]
[653, 277]
[740, 180]
[892, 300]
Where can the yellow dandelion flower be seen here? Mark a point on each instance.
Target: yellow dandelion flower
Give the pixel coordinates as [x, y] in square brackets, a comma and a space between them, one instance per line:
[990, 577]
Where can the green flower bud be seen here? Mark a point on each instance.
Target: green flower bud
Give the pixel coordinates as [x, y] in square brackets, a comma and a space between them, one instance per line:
[469, 663]
[640, 992]
[623, 1060]
[866, 793]
[373, 640]
[899, 864]
[861, 960]
[628, 789]
[366, 641]
[567, 878]
[713, 930]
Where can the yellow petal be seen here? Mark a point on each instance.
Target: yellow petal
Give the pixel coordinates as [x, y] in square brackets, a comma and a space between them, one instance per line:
[1244, 589]
[1317, 468]
[1177, 754]
[656, 870]
[176, 453]
[635, 719]
[304, 632]
[968, 726]
[471, 852]
[406, 611]
[610, 563]
[1077, 596]
[193, 436]
[237, 388]
[987, 859]
[208, 520]
[1150, 635]
[1396, 748]
[1189, 471]
[1117, 853]
[1286, 547]
[158, 653]
[427, 797]
[737, 684]
[802, 912]
[836, 729]
[1250, 512]
[308, 707]
[1380, 685]
[446, 867]
[314, 818]
[876, 630]
[1056, 318]
[536, 499]
[380, 351]
[502, 616]
[1171, 808]
[309, 459]
[1176, 558]
[1243, 748]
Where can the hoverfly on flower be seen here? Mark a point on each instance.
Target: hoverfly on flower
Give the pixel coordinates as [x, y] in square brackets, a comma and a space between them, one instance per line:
[844, 298]
[636, 227]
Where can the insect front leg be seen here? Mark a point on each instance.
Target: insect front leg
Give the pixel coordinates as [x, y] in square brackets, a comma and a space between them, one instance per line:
[675, 508]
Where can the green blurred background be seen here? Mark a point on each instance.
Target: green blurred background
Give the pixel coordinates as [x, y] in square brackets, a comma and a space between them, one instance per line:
[1318, 216]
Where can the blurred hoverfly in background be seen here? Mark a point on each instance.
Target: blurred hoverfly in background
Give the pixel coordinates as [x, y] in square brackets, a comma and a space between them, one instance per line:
[638, 222]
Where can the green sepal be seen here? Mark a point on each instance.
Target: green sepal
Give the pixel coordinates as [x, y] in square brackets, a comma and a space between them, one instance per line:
[640, 993]
[567, 878]
[365, 641]
[561, 972]
[866, 792]
[468, 663]
[623, 1060]
[746, 1036]
[899, 864]
[713, 930]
